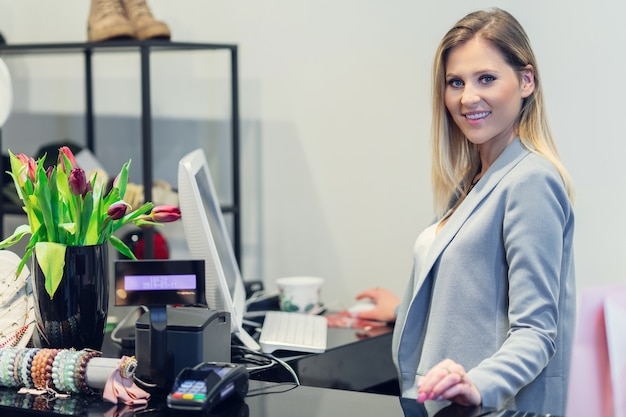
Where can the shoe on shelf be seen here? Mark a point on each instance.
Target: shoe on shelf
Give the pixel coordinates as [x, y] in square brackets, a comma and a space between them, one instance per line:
[162, 194]
[108, 20]
[146, 26]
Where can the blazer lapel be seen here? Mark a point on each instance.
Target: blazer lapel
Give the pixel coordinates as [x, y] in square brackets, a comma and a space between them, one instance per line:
[510, 157]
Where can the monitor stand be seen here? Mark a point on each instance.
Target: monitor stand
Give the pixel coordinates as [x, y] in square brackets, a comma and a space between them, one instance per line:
[160, 362]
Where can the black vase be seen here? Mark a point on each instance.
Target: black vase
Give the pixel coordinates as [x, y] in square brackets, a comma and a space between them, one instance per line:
[75, 317]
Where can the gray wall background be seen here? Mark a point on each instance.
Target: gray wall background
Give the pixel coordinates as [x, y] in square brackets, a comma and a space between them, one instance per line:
[335, 106]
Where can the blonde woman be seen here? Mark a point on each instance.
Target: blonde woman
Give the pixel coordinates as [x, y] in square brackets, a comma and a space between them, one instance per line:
[489, 314]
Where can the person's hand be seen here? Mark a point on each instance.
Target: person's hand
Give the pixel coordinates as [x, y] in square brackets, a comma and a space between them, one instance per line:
[366, 333]
[385, 305]
[448, 381]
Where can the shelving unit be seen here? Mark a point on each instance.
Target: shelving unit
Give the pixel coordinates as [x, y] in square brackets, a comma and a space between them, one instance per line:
[145, 49]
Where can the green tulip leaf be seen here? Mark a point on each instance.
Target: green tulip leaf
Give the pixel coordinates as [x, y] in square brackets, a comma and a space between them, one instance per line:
[51, 260]
[122, 179]
[69, 227]
[19, 233]
[121, 247]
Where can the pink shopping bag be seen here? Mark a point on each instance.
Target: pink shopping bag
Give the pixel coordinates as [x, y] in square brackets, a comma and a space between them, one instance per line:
[597, 385]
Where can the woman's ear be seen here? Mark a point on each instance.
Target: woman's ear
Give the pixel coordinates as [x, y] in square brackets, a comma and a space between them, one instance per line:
[528, 80]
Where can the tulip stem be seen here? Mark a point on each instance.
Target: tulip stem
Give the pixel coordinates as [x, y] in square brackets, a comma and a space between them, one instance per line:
[78, 220]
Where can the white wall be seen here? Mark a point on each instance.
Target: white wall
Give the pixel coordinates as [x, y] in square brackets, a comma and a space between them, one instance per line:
[335, 101]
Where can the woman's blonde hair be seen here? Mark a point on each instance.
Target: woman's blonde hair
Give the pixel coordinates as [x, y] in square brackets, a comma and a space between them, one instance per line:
[455, 159]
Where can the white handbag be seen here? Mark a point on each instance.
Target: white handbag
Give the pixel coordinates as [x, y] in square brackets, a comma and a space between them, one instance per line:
[17, 313]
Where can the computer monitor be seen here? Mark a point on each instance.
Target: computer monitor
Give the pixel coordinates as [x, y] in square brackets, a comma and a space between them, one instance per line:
[208, 239]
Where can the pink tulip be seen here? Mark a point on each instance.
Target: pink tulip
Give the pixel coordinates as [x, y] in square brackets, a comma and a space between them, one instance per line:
[32, 169]
[30, 165]
[165, 214]
[78, 182]
[117, 210]
[23, 158]
[64, 150]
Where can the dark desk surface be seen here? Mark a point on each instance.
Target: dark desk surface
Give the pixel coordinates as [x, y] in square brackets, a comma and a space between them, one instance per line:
[301, 402]
[347, 380]
[352, 362]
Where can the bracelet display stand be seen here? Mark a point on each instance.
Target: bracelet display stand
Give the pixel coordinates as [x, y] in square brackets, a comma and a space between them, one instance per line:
[64, 371]
[99, 370]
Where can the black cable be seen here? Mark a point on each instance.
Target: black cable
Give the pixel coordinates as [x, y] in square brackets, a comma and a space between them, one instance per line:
[267, 361]
[266, 390]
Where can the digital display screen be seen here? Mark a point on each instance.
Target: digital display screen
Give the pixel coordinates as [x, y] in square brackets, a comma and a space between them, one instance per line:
[159, 282]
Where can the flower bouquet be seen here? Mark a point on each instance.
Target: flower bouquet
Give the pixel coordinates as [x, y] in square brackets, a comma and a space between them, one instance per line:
[64, 209]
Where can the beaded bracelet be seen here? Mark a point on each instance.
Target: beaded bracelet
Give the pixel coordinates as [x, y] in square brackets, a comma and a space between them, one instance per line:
[48, 377]
[3, 351]
[27, 361]
[65, 373]
[57, 371]
[81, 369]
[41, 369]
[17, 377]
[37, 368]
[69, 371]
[6, 366]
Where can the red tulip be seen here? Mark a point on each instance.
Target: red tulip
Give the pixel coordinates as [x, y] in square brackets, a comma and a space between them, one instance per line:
[117, 210]
[78, 182]
[165, 214]
[64, 150]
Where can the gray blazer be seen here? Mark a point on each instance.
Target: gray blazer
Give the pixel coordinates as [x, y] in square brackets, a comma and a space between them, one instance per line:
[496, 291]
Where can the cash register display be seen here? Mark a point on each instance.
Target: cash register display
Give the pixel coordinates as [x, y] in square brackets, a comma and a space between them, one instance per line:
[159, 282]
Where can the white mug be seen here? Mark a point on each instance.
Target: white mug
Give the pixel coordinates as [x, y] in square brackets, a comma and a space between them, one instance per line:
[299, 294]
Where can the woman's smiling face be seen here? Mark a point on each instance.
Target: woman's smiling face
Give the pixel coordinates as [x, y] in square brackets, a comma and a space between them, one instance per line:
[484, 94]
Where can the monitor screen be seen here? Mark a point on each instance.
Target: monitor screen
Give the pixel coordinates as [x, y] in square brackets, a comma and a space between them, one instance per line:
[220, 236]
[208, 239]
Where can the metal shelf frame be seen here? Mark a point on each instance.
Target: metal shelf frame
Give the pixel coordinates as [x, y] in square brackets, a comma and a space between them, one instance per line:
[145, 49]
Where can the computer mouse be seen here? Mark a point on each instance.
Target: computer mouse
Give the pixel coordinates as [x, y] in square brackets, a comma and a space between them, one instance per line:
[364, 304]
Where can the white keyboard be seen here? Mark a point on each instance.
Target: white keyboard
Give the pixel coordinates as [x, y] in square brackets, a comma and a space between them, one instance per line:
[293, 331]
